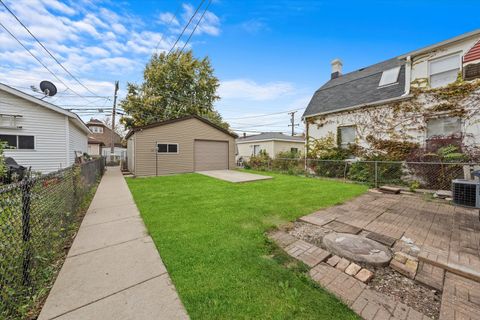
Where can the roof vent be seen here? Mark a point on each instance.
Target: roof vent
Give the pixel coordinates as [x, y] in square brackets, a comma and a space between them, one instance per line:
[336, 68]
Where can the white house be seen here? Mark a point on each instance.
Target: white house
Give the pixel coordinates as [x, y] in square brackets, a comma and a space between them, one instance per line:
[39, 134]
[271, 142]
[406, 98]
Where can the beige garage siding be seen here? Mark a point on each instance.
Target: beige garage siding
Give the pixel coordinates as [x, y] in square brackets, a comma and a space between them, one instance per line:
[211, 155]
[184, 133]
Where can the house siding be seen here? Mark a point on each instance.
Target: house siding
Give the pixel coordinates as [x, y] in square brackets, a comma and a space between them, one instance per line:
[78, 141]
[272, 147]
[148, 163]
[282, 146]
[47, 126]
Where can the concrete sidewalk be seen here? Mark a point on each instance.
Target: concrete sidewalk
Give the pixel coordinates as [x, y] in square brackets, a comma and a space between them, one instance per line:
[113, 270]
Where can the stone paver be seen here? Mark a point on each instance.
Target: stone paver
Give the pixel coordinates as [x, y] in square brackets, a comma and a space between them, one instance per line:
[282, 238]
[364, 275]
[307, 253]
[343, 264]
[342, 227]
[460, 299]
[333, 260]
[234, 176]
[113, 270]
[352, 269]
[430, 275]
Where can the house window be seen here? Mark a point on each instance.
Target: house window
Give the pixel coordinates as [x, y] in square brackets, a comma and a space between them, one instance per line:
[256, 149]
[294, 150]
[444, 70]
[389, 76]
[167, 147]
[441, 127]
[347, 135]
[18, 142]
[96, 129]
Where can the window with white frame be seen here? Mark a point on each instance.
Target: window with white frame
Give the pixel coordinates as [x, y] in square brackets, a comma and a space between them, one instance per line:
[389, 76]
[294, 150]
[18, 142]
[256, 149]
[167, 147]
[443, 71]
[441, 127]
[348, 134]
[96, 129]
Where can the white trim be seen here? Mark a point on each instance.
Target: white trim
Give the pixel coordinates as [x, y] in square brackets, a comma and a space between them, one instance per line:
[267, 140]
[358, 106]
[44, 104]
[167, 143]
[408, 75]
[429, 62]
[67, 137]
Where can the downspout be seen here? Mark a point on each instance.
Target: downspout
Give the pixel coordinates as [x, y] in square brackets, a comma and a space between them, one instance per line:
[408, 75]
[306, 144]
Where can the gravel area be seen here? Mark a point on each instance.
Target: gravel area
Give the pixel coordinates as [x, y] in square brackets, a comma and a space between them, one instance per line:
[386, 281]
[409, 292]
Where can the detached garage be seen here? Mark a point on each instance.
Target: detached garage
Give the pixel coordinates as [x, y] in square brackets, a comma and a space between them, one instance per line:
[177, 146]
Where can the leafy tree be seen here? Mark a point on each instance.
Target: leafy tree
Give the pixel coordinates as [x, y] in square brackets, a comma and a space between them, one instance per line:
[3, 167]
[174, 85]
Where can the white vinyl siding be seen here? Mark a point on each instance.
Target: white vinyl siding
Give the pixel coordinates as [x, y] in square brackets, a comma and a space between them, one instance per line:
[78, 142]
[444, 71]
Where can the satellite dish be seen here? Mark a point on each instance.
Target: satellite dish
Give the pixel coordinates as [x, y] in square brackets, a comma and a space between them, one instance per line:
[48, 88]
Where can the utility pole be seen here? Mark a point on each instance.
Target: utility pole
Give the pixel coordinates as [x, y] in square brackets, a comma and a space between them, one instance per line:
[112, 143]
[292, 120]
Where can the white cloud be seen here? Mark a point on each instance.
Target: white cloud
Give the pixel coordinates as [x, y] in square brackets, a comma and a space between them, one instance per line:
[167, 18]
[250, 90]
[254, 26]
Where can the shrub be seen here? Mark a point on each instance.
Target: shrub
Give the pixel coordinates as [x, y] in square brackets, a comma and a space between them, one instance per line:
[261, 161]
[288, 162]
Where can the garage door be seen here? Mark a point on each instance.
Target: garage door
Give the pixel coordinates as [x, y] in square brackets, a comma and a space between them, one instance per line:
[211, 155]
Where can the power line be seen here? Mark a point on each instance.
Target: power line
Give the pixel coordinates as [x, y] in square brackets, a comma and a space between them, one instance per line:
[45, 48]
[169, 24]
[265, 115]
[185, 28]
[39, 61]
[196, 26]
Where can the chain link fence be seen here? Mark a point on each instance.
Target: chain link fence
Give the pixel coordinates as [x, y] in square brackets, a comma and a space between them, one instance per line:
[415, 175]
[38, 218]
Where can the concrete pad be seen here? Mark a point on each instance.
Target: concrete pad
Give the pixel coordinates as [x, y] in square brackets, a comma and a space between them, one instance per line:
[234, 176]
[153, 299]
[102, 215]
[95, 275]
[357, 248]
[101, 235]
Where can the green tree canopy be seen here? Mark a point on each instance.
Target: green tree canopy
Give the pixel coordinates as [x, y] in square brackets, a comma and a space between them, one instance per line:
[174, 86]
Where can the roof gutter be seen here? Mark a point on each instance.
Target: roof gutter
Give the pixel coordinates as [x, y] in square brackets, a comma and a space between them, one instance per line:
[359, 106]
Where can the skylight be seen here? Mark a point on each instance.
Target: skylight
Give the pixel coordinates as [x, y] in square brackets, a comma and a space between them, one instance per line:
[389, 76]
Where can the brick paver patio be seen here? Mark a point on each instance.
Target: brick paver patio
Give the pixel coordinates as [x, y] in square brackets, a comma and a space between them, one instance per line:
[445, 238]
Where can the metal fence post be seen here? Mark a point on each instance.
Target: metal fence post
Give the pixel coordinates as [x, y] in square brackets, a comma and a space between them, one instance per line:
[26, 231]
[376, 174]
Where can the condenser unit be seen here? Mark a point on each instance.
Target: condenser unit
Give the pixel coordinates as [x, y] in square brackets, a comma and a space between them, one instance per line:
[466, 193]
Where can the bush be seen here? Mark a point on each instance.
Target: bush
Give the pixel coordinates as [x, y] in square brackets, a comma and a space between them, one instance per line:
[288, 162]
[261, 161]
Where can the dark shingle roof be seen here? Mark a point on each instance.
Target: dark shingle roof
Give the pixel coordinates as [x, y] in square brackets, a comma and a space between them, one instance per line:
[270, 136]
[357, 88]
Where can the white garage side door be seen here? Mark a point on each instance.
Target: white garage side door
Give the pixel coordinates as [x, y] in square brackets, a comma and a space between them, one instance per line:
[211, 155]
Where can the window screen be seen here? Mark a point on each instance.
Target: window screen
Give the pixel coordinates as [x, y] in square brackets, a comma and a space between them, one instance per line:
[294, 150]
[162, 148]
[26, 142]
[11, 140]
[167, 148]
[347, 135]
[256, 150]
[173, 148]
[444, 70]
[443, 127]
[389, 76]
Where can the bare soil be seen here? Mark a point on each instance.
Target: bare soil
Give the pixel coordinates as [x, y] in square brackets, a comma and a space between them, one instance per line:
[385, 280]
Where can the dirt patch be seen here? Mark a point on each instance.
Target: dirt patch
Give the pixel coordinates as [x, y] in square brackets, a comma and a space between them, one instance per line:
[308, 232]
[407, 291]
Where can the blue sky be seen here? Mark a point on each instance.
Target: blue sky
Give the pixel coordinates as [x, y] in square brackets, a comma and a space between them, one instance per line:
[269, 55]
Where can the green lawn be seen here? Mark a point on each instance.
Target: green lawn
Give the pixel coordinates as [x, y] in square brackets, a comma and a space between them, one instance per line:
[210, 234]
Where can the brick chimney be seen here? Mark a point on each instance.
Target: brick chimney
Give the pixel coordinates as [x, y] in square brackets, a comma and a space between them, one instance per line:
[336, 68]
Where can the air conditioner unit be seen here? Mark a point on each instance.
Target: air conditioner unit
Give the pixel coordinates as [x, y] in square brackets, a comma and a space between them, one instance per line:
[466, 193]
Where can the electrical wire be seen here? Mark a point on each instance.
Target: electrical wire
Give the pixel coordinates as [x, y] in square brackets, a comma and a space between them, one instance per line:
[45, 48]
[39, 61]
[196, 26]
[185, 28]
[264, 115]
[168, 25]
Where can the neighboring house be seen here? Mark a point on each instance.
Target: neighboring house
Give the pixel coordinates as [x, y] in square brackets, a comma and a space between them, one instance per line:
[181, 145]
[94, 146]
[406, 98]
[272, 142]
[39, 134]
[103, 134]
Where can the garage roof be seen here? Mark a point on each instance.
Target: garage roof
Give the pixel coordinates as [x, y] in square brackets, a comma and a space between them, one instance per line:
[157, 124]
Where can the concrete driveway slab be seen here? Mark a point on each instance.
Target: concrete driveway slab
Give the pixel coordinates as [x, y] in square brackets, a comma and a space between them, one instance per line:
[234, 176]
[141, 302]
